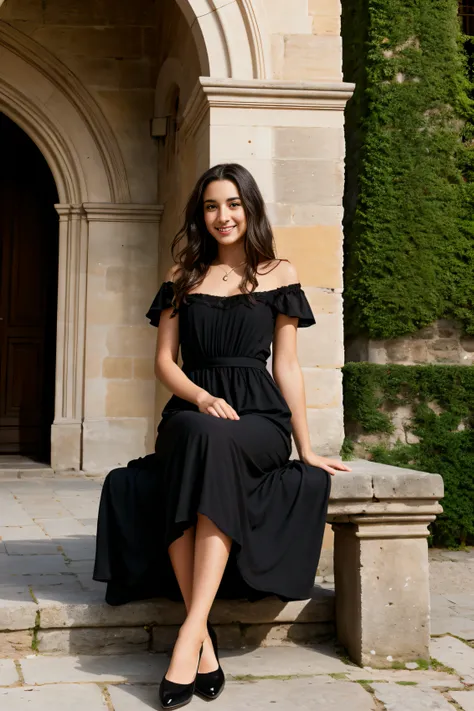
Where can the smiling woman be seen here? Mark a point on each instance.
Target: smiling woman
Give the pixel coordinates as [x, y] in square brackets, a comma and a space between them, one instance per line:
[220, 508]
[234, 218]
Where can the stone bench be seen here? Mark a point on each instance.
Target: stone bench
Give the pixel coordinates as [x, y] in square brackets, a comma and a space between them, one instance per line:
[380, 516]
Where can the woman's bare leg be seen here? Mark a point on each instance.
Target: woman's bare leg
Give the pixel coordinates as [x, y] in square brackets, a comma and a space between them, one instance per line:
[211, 552]
[181, 554]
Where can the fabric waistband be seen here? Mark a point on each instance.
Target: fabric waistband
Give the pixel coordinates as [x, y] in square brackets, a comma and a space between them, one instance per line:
[237, 362]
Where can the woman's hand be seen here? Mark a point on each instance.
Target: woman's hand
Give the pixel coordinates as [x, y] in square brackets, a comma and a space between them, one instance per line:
[216, 406]
[330, 465]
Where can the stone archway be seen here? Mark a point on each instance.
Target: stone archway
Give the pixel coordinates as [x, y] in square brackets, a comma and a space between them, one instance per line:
[44, 99]
[228, 38]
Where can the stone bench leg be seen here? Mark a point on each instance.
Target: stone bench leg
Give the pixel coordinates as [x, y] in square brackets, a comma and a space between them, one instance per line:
[382, 588]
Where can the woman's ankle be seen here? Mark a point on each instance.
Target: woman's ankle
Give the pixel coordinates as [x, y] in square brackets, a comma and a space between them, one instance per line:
[194, 627]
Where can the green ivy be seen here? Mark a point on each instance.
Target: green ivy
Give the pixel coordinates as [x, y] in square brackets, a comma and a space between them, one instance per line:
[446, 440]
[409, 200]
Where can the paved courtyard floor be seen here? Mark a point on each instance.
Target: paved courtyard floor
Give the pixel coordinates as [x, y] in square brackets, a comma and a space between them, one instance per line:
[47, 527]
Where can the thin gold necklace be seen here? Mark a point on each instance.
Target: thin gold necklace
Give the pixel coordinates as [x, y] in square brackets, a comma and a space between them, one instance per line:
[226, 275]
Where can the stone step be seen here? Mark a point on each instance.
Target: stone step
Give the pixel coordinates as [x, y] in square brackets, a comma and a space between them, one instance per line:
[25, 473]
[84, 623]
[17, 467]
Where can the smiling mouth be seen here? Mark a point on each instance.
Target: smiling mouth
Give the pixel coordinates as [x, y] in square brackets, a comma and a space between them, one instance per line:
[225, 230]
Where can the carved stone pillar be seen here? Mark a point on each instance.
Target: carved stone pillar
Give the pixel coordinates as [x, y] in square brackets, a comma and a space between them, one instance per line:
[66, 432]
[380, 516]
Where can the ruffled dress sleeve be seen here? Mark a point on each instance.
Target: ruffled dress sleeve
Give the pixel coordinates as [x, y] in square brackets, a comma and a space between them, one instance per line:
[291, 301]
[163, 300]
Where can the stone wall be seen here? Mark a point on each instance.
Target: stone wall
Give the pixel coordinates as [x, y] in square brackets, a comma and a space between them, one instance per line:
[306, 42]
[303, 188]
[442, 342]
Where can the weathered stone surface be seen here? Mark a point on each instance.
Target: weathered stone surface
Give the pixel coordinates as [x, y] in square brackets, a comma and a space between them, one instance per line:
[15, 643]
[73, 697]
[405, 484]
[323, 387]
[164, 637]
[455, 654]
[61, 527]
[31, 564]
[463, 601]
[116, 640]
[8, 673]
[275, 661]
[299, 143]
[311, 58]
[449, 577]
[273, 635]
[16, 615]
[260, 695]
[382, 593]
[386, 482]
[88, 609]
[11, 513]
[422, 678]
[352, 485]
[465, 699]
[458, 626]
[82, 548]
[320, 608]
[134, 668]
[408, 698]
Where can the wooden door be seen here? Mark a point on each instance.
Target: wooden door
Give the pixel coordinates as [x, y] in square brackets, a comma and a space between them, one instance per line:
[28, 288]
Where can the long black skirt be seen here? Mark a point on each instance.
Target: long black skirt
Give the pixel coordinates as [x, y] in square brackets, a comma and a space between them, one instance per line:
[238, 474]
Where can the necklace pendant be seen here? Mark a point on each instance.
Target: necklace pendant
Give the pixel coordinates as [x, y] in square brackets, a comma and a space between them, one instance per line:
[224, 278]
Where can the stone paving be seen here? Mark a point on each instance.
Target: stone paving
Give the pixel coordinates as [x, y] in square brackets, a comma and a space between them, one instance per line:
[47, 527]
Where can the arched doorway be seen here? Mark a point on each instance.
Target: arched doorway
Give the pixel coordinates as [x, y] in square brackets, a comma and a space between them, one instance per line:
[28, 295]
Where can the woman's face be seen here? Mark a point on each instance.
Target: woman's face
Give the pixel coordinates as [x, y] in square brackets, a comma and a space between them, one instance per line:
[224, 214]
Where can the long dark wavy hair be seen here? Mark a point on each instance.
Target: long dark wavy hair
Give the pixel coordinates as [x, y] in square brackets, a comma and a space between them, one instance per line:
[195, 257]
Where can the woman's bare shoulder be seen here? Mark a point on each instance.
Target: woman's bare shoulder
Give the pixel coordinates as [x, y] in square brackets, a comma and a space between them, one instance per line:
[283, 271]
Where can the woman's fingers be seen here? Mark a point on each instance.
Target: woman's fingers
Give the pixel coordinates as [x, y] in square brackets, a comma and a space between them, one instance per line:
[220, 408]
[334, 465]
[225, 410]
[231, 413]
[339, 465]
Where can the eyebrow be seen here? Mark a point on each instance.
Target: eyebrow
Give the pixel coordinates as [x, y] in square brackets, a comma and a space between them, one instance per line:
[228, 199]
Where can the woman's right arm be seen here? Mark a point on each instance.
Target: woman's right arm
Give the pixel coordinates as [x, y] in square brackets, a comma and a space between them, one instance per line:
[170, 374]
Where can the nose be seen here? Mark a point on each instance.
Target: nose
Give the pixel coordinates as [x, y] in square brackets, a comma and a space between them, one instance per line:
[223, 215]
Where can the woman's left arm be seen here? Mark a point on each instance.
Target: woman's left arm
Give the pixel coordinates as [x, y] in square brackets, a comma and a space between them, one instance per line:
[289, 378]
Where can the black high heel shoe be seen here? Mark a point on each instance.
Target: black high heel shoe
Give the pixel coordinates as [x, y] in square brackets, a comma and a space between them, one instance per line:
[211, 685]
[173, 695]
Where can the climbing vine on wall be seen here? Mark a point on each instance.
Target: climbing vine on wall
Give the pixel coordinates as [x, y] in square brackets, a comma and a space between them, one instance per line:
[409, 202]
[441, 400]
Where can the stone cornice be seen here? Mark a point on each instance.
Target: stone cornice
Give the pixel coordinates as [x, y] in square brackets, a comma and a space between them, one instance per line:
[122, 212]
[258, 94]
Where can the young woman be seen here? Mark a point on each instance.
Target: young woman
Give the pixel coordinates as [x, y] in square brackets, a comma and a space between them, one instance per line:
[220, 508]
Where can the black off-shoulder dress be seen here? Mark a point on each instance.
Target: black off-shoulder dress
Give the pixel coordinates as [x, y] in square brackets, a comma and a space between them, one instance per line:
[238, 473]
